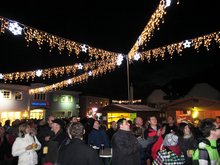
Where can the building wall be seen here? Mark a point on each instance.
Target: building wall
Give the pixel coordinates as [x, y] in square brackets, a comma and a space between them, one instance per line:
[30, 106]
[64, 103]
[11, 107]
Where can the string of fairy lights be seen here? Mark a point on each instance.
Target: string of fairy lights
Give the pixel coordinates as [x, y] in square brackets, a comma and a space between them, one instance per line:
[105, 60]
[195, 43]
[41, 37]
[74, 80]
[53, 41]
[154, 22]
[59, 71]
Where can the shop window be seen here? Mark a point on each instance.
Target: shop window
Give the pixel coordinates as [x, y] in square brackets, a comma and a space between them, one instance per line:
[66, 99]
[40, 96]
[18, 96]
[6, 94]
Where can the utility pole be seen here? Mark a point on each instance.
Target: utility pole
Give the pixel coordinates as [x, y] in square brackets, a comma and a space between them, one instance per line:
[128, 79]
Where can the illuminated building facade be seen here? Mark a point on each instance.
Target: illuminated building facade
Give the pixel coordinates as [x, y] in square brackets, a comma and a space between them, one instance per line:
[17, 103]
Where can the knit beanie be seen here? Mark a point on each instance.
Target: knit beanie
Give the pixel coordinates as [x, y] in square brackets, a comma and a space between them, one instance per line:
[170, 140]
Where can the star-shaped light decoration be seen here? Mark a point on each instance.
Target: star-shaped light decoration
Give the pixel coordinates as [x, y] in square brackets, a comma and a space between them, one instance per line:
[1, 76]
[90, 73]
[187, 44]
[39, 73]
[69, 81]
[80, 66]
[168, 2]
[137, 56]
[119, 59]
[84, 48]
[15, 28]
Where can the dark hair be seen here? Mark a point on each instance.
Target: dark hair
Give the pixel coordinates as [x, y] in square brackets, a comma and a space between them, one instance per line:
[149, 117]
[120, 122]
[181, 128]
[206, 125]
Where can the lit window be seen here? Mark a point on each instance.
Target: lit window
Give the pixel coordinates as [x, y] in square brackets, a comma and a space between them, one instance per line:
[40, 96]
[66, 99]
[6, 94]
[18, 96]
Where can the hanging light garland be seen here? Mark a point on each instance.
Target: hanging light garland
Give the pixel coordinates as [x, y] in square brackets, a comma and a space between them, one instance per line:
[113, 59]
[56, 71]
[78, 79]
[126, 101]
[195, 43]
[41, 37]
[154, 22]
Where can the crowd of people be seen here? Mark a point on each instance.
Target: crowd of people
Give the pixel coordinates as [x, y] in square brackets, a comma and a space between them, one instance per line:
[73, 142]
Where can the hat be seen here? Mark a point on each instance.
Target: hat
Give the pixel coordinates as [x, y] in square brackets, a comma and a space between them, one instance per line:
[59, 121]
[170, 140]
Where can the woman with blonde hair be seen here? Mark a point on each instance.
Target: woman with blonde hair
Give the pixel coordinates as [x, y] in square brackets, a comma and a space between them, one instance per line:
[25, 146]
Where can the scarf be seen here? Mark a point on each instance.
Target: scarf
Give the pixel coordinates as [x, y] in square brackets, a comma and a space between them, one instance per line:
[175, 149]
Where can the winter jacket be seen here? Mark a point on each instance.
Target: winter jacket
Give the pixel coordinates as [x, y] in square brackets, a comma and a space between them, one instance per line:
[206, 153]
[25, 157]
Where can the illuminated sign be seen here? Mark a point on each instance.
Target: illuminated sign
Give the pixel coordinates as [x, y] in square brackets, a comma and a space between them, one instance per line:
[39, 104]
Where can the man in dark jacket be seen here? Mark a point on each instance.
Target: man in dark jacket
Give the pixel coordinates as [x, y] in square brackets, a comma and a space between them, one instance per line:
[56, 142]
[125, 146]
[76, 151]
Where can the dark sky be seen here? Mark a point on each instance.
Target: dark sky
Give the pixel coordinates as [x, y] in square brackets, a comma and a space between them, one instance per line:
[115, 26]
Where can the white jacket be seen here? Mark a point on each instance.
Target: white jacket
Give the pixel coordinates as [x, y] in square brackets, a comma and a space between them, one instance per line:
[25, 157]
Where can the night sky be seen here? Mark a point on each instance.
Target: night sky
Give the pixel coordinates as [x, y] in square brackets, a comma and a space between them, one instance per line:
[115, 26]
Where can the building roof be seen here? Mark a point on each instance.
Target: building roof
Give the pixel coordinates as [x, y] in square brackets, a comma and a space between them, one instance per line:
[157, 97]
[190, 102]
[14, 87]
[128, 108]
[203, 90]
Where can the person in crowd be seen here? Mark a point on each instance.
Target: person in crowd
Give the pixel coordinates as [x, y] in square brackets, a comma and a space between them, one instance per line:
[13, 130]
[206, 152]
[171, 154]
[88, 125]
[187, 141]
[97, 136]
[74, 119]
[131, 124]
[56, 141]
[7, 125]
[157, 145]
[138, 132]
[5, 147]
[138, 122]
[44, 134]
[111, 131]
[102, 125]
[125, 146]
[76, 151]
[171, 126]
[153, 132]
[25, 146]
